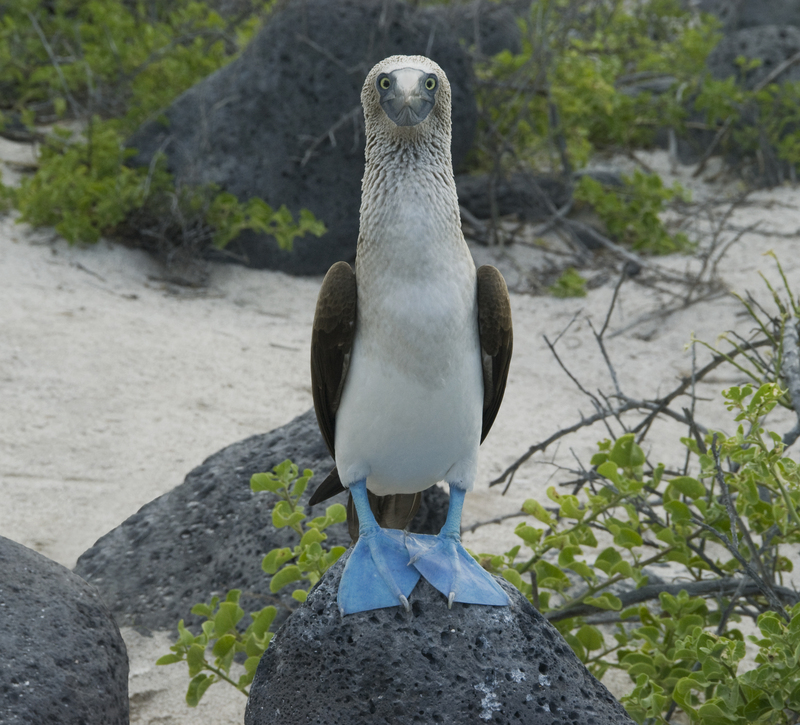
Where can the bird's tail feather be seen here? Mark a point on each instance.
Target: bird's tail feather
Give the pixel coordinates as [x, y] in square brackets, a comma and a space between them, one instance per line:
[394, 511]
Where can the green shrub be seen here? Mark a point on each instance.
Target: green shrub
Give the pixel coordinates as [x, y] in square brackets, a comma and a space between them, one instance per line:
[565, 85]
[113, 58]
[115, 64]
[85, 190]
[631, 214]
[304, 564]
[569, 284]
[653, 517]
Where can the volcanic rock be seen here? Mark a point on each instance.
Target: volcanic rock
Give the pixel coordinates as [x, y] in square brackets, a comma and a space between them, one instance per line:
[62, 659]
[284, 122]
[469, 664]
[209, 534]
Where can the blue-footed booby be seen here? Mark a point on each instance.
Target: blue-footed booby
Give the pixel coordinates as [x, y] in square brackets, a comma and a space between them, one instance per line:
[409, 353]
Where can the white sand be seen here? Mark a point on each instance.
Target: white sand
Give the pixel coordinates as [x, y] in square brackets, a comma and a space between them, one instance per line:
[113, 386]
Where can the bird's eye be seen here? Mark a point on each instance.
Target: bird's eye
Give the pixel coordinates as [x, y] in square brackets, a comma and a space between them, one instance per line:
[430, 84]
[384, 83]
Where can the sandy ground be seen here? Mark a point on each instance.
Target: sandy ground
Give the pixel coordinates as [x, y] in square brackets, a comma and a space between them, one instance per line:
[113, 385]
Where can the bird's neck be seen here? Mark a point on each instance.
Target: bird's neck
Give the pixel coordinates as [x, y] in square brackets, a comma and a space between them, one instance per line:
[409, 208]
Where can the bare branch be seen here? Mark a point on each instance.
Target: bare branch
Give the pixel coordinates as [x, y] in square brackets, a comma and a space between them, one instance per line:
[790, 369]
[724, 587]
[76, 108]
[329, 134]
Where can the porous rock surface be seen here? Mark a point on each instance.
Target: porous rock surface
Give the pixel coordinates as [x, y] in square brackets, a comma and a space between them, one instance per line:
[209, 534]
[470, 664]
[62, 659]
[739, 14]
[528, 196]
[284, 120]
[771, 44]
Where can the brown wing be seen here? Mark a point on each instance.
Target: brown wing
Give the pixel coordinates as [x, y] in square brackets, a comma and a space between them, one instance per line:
[331, 343]
[494, 327]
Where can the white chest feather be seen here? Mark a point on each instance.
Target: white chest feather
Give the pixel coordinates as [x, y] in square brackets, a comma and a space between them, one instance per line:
[411, 409]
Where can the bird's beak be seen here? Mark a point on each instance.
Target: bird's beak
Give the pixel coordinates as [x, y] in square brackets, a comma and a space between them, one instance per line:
[407, 103]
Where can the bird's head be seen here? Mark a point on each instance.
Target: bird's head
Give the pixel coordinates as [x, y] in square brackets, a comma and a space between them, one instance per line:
[405, 96]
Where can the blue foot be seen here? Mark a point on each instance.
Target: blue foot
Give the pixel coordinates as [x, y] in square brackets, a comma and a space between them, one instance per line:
[377, 574]
[445, 563]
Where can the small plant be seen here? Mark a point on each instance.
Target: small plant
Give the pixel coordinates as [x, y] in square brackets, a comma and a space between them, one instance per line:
[751, 509]
[84, 189]
[569, 284]
[631, 214]
[220, 631]
[305, 563]
[726, 525]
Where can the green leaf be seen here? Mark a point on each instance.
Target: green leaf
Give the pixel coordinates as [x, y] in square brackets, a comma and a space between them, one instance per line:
[265, 482]
[336, 513]
[569, 284]
[550, 576]
[513, 576]
[609, 470]
[263, 620]
[605, 601]
[197, 688]
[276, 559]
[281, 513]
[312, 536]
[224, 645]
[331, 557]
[196, 659]
[170, 659]
[300, 595]
[590, 637]
[688, 486]
[679, 510]
[533, 508]
[607, 559]
[624, 568]
[626, 453]
[627, 538]
[528, 534]
[202, 610]
[299, 486]
[185, 637]
[227, 617]
[285, 576]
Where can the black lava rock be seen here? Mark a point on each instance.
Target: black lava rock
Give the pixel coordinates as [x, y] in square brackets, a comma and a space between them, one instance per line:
[209, 534]
[284, 120]
[739, 14]
[771, 44]
[470, 664]
[485, 26]
[62, 659]
[526, 195]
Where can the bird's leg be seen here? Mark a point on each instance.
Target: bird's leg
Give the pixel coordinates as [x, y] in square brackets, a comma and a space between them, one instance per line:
[377, 573]
[445, 563]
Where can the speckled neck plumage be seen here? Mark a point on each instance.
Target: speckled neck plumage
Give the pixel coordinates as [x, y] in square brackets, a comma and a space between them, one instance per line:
[410, 220]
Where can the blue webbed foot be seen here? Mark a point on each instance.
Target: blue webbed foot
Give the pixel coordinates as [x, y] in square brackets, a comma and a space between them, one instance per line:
[377, 574]
[445, 563]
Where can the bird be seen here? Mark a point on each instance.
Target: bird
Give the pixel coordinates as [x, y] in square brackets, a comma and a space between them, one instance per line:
[410, 352]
